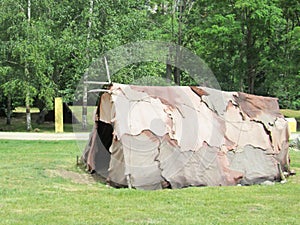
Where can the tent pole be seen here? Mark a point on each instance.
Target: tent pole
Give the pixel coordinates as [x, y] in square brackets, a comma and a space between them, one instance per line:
[107, 70]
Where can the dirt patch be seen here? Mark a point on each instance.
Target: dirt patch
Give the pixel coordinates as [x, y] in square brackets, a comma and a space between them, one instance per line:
[73, 176]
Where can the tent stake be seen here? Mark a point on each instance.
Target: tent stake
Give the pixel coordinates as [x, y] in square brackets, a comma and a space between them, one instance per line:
[129, 181]
[282, 177]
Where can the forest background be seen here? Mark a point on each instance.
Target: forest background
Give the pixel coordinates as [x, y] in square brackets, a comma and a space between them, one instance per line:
[47, 45]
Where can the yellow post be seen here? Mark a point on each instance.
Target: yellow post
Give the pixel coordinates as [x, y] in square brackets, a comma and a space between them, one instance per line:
[292, 124]
[59, 123]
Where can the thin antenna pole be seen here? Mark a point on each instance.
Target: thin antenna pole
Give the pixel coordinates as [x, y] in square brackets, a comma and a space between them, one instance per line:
[107, 70]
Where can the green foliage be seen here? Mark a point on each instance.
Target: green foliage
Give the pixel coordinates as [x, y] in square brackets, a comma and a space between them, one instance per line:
[251, 46]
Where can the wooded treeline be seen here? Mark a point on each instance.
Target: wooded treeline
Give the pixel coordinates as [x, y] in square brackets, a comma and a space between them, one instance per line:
[47, 45]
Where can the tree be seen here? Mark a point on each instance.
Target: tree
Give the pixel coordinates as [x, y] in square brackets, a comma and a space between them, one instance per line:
[25, 48]
[285, 56]
[47, 45]
[27, 74]
[85, 79]
[234, 37]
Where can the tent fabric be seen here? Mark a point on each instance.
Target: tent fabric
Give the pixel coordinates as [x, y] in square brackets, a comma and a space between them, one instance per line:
[150, 137]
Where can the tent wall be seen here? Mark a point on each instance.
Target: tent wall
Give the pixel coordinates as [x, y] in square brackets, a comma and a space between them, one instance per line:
[147, 137]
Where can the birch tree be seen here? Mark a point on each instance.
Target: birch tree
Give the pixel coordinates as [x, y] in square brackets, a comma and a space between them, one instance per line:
[26, 72]
[85, 78]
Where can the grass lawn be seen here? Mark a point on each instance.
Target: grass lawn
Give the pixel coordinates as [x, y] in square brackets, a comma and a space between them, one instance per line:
[41, 184]
[291, 113]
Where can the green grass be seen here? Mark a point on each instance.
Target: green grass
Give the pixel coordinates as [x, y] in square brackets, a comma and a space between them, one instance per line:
[291, 113]
[41, 184]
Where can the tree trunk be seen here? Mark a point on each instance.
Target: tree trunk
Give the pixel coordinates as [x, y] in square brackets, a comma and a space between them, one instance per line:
[251, 80]
[84, 102]
[250, 59]
[8, 114]
[28, 114]
[177, 76]
[27, 98]
[177, 71]
[169, 65]
[85, 78]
